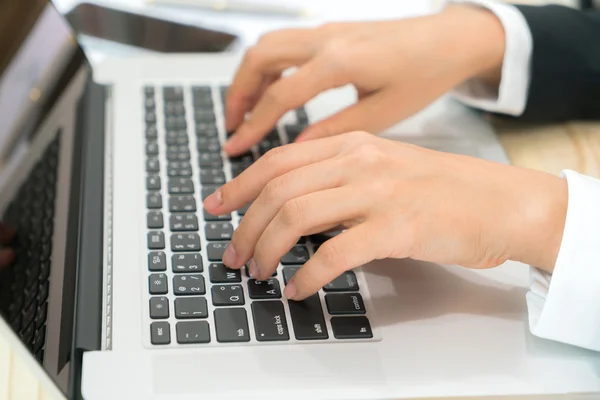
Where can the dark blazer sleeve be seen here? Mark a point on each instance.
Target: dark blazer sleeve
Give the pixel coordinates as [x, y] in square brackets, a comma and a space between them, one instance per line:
[565, 65]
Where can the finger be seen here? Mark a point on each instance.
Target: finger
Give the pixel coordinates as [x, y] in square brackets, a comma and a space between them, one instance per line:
[350, 249]
[373, 114]
[296, 183]
[306, 215]
[248, 185]
[286, 94]
[6, 257]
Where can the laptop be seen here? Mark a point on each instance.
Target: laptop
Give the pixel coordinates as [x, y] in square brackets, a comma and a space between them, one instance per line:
[118, 290]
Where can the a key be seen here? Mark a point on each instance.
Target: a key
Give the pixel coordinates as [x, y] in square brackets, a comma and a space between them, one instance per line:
[204, 115]
[181, 186]
[153, 200]
[157, 261]
[344, 283]
[207, 191]
[153, 182]
[182, 203]
[191, 307]
[172, 93]
[242, 211]
[269, 321]
[152, 165]
[178, 153]
[210, 160]
[293, 131]
[268, 289]
[227, 295]
[351, 328]
[177, 140]
[237, 169]
[302, 116]
[212, 176]
[190, 262]
[288, 273]
[183, 222]
[156, 240]
[298, 255]
[175, 122]
[40, 317]
[150, 117]
[206, 130]
[179, 172]
[267, 144]
[218, 231]
[185, 242]
[174, 108]
[38, 340]
[246, 159]
[210, 217]
[345, 303]
[151, 148]
[219, 273]
[160, 333]
[151, 132]
[154, 220]
[208, 145]
[191, 332]
[216, 250]
[158, 284]
[189, 285]
[307, 318]
[231, 325]
[159, 307]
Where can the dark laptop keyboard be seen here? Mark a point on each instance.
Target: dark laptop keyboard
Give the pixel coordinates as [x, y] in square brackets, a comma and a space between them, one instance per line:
[193, 298]
[24, 285]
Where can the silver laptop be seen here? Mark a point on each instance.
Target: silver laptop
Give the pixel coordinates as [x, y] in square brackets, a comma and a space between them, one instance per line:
[118, 290]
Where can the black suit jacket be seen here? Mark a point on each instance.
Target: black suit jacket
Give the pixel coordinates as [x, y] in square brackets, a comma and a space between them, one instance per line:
[565, 67]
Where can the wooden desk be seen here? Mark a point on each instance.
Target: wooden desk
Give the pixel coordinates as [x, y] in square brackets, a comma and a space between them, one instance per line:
[573, 146]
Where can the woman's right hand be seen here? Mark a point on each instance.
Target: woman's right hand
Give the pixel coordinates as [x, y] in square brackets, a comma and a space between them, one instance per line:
[397, 67]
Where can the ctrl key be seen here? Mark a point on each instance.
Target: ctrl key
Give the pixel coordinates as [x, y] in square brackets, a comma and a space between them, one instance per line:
[160, 333]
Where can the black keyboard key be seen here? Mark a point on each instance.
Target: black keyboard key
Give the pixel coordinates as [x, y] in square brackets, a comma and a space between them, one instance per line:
[237, 169]
[307, 318]
[40, 317]
[351, 328]
[174, 108]
[159, 307]
[219, 273]
[178, 153]
[293, 131]
[189, 285]
[206, 130]
[182, 203]
[183, 222]
[344, 283]
[181, 186]
[152, 165]
[207, 191]
[191, 307]
[177, 139]
[345, 303]
[154, 220]
[242, 211]
[269, 321]
[185, 242]
[212, 176]
[231, 325]
[157, 261]
[151, 148]
[27, 333]
[158, 284]
[175, 122]
[302, 116]
[244, 159]
[204, 115]
[208, 145]
[153, 182]
[156, 240]
[227, 295]
[191, 332]
[298, 255]
[160, 333]
[268, 144]
[153, 200]
[210, 160]
[288, 273]
[38, 340]
[210, 217]
[150, 117]
[268, 289]
[172, 93]
[43, 293]
[151, 132]
[216, 250]
[218, 231]
[179, 172]
[28, 313]
[191, 262]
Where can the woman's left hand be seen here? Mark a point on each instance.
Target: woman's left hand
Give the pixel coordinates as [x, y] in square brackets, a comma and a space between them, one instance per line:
[396, 201]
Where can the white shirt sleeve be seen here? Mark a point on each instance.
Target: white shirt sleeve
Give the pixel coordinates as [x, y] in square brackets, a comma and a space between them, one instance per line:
[511, 96]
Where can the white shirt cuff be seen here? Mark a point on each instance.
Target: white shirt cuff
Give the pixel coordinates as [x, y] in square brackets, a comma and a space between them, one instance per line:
[511, 97]
[565, 306]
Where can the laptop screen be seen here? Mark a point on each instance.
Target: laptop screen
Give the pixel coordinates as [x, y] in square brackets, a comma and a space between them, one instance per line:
[39, 60]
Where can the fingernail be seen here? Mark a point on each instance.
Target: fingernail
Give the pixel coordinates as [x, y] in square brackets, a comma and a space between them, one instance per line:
[290, 290]
[229, 257]
[252, 268]
[214, 200]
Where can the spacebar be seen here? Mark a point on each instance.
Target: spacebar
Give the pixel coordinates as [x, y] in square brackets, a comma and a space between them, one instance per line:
[307, 319]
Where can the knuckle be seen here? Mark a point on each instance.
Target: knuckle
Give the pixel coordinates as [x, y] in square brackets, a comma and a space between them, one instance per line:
[368, 155]
[292, 213]
[274, 189]
[332, 255]
[273, 157]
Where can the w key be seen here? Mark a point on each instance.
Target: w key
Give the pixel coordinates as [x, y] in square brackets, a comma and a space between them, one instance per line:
[269, 321]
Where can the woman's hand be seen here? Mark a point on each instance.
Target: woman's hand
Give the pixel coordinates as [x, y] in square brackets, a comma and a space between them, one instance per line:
[398, 67]
[396, 200]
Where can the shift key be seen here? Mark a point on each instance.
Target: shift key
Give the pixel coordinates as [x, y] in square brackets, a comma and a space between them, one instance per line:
[307, 319]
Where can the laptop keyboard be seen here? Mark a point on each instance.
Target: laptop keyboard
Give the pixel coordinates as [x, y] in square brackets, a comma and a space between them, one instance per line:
[192, 298]
[24, 284]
